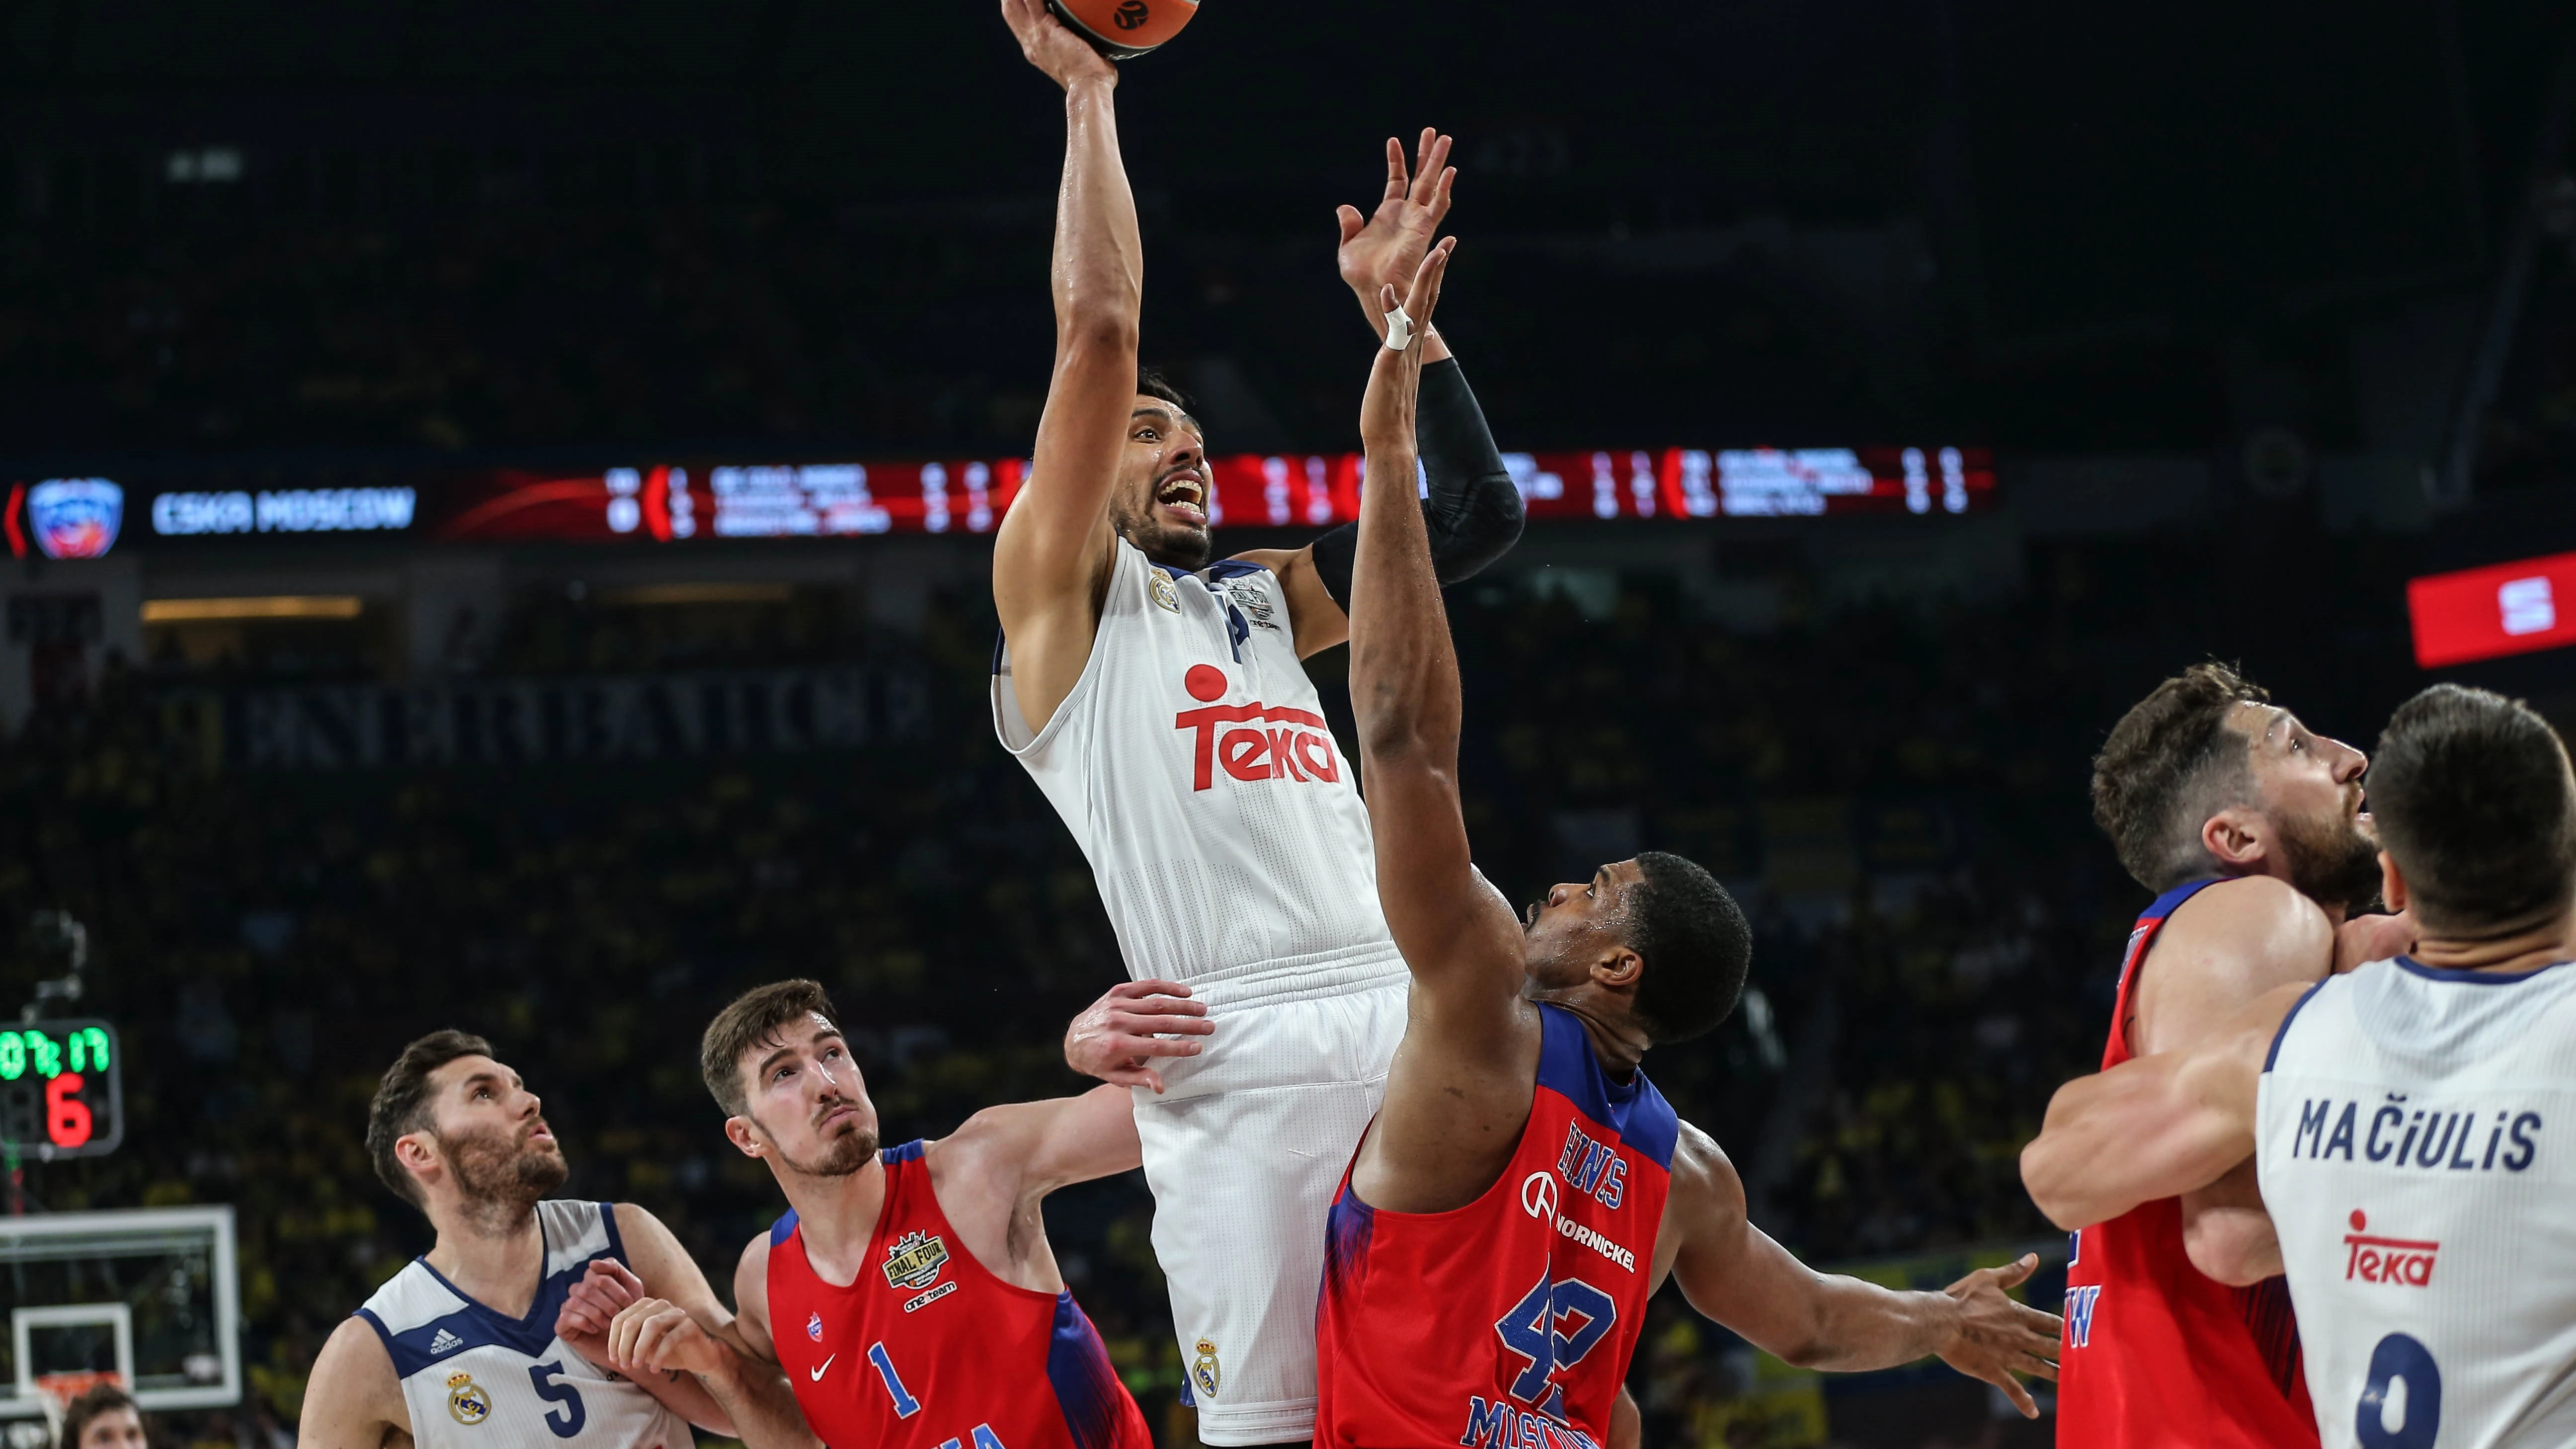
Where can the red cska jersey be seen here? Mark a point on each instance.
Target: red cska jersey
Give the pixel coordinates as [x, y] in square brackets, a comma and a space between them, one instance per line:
[928, 1350]
[1507, 1323]
[2157, 1353]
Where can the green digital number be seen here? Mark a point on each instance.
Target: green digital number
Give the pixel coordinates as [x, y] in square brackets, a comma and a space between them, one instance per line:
[13, 1057]
[89, 1042]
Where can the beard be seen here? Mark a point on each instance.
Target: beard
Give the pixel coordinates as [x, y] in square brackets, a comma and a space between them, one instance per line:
[1186, 549]
[2332, 862]
[840, 1157]
[502, 1173]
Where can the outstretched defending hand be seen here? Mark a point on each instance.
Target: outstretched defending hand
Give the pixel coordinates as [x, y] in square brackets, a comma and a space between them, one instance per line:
[1136, 1021]
[655, 1335]
[1063, 55]
[1995, 1338]
[1395, 385]
[1387, 248]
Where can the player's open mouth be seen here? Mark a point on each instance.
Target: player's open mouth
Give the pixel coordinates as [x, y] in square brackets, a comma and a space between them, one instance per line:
[1184, 496]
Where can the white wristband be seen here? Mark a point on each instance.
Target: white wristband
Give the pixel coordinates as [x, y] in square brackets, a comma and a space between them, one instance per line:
[1399, 330]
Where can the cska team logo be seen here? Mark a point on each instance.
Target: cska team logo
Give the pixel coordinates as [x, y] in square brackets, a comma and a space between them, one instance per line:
[915, 1260]
[75, 517]
[814, 1327]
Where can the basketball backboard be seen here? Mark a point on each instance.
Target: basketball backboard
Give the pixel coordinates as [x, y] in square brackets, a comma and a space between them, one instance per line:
[151, 1295]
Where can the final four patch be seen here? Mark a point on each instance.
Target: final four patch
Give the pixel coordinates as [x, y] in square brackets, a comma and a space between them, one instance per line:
[916, 1258]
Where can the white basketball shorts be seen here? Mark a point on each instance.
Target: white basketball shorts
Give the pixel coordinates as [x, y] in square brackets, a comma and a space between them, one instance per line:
[1243, 1156]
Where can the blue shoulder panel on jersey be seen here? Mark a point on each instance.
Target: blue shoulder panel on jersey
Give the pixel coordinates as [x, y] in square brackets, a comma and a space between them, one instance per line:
[2292, 1015]
[1635, 1110]
[908, 1152]
[1000, 641]
[2164, 905]
[781, 1230]
[1087, 1388]
[1232, 568]
[608, 1220]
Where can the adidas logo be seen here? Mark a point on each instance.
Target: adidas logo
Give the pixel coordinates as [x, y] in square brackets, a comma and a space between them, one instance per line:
[445, 1342]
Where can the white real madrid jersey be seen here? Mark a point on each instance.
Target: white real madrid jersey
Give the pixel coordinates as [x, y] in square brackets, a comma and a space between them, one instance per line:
[473, 1379]
[2417, 1148]
[1193, 764]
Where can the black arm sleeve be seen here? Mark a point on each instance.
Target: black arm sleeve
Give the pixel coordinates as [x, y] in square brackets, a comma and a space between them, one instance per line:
[1474, 511]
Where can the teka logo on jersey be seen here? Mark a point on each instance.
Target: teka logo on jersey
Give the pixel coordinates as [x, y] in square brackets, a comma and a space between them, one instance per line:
[1254, 741]
[2406, 1262]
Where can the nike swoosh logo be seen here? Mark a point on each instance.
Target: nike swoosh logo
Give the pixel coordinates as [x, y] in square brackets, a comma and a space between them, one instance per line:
[818, 1368]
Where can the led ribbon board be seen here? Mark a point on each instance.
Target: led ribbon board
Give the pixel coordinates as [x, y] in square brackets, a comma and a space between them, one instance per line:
[2487, 613]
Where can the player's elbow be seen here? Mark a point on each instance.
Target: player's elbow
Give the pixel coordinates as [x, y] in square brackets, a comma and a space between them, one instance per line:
[1099, 322]
[2051, 1184]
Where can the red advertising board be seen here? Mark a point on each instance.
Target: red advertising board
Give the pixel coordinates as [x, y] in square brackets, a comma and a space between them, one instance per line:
[2486, 613]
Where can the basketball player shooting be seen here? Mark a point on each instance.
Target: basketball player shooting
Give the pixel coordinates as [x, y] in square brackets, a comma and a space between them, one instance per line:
[1525, 1189]
[2397, 1115]
[477, 1345]
[1159, 701]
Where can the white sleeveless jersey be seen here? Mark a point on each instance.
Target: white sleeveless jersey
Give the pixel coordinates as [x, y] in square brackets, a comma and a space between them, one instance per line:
[473, 1379]
[2416, 1144]
[1193, 765]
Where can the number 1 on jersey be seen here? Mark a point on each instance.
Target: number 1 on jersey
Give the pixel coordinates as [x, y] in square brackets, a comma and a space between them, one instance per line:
[905, 1405]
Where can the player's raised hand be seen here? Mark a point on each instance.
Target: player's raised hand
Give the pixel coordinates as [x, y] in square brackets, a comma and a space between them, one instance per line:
[1117, 1037]
[655, 1335]
[597, 1296]
[1386, 247]
[1996, 1338]
[1395, 384]
[1066, 57]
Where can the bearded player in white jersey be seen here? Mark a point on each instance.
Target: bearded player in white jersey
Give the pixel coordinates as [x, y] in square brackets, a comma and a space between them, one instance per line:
[2407, 1120]
[480, 1343]
[1159, 701]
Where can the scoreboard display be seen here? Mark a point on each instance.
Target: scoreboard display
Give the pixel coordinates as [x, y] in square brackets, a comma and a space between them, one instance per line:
[685, 502]
[62, 1093]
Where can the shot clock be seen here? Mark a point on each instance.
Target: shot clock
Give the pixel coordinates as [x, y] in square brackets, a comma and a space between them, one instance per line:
[62, 1093]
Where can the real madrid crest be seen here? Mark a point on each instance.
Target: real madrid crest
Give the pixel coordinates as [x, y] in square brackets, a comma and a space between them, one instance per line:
[1159, 584]
[1205, 1372]
[467, 1404]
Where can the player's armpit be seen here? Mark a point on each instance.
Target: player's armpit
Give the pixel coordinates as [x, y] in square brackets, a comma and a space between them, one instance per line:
[2155, 1127]
[2223, 948]
[353, 1400]
[1314, 616]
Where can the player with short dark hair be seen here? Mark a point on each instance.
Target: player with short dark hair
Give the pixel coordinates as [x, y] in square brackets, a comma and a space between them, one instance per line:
[910, 1292]
[2248, 826]
[102, 1416]
[2401, 1116]
[480, 1343]
[1525, 1189]
[1156, 694]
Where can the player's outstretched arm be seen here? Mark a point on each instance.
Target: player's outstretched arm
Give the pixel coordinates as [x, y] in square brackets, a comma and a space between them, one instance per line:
[353, 1400]
[1051, 557]
[1459, 939]
[1470, 504]
[2155, 1127]
[1734, 1273]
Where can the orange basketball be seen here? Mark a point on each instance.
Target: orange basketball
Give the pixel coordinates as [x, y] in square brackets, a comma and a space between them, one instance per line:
[1125, 29]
